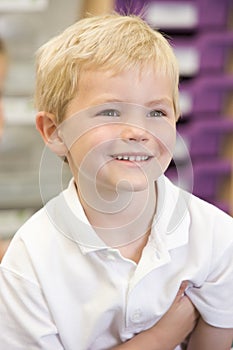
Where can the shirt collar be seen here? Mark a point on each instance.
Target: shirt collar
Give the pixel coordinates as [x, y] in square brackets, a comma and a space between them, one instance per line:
[67, 215]
[171, 221]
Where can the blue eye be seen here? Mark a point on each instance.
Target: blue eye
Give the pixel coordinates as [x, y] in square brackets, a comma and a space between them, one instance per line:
[155, 114]
[109, 113]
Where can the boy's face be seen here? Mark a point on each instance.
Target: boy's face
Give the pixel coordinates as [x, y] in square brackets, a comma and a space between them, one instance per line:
[120, 129]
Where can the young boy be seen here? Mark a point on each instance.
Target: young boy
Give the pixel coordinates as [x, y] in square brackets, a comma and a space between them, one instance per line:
[99, 266]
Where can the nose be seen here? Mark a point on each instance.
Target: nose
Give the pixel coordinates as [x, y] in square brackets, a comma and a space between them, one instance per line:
[134, 133]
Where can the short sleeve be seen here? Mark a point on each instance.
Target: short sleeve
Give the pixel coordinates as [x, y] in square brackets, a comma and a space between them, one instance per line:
[214, 298]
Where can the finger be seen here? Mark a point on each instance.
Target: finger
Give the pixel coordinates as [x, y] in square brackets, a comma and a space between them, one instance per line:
[182, 288]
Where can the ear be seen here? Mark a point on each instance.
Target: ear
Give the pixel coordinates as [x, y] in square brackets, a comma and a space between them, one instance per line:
[49, 130]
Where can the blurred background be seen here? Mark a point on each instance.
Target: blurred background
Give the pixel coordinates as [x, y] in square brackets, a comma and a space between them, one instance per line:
[201, 32]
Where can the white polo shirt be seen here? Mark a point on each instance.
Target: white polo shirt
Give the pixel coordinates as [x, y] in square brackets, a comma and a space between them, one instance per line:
[61, 287]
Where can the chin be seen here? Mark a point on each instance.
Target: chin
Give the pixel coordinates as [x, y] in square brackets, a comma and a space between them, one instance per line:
[132, 185]
[128, 182]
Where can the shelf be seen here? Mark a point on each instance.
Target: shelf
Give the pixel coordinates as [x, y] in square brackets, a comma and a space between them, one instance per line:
[23, 5]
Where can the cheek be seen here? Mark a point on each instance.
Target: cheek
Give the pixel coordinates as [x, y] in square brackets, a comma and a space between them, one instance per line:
[91, 146]
[165, 136]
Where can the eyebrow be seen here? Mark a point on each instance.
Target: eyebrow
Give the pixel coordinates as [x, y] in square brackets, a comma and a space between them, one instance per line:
[160, 101]
[106, 100]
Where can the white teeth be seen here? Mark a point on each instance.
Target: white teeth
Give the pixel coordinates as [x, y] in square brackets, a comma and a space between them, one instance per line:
[132, 158]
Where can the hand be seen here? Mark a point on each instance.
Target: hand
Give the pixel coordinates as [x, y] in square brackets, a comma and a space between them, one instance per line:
[171, 329]
[180, 319]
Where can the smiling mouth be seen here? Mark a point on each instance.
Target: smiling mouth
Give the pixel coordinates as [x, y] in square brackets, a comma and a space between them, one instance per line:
[132, 158]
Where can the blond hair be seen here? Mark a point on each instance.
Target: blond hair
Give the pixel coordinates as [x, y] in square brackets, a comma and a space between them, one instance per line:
[109, 42]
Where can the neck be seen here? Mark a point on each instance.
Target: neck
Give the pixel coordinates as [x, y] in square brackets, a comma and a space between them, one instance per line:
[122, 220]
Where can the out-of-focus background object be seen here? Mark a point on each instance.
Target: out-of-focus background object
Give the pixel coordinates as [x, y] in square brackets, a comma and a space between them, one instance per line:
[25, 25]
[201, 33]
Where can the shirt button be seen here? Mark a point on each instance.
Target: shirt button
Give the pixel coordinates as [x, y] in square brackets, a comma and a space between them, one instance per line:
[136, 316]
[109, 256]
